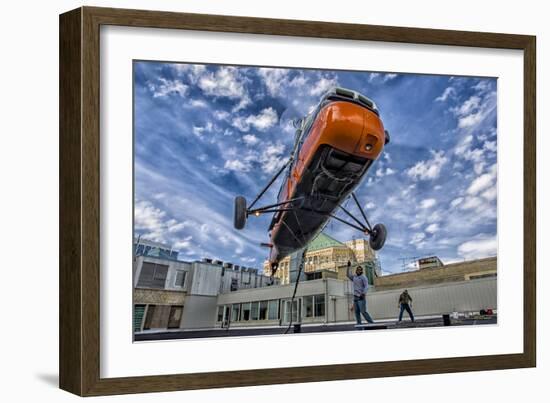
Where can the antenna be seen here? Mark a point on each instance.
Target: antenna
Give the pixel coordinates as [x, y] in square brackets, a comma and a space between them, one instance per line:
[407, 261]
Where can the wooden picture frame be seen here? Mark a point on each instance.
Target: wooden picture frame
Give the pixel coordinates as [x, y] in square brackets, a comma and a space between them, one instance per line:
[79, 346]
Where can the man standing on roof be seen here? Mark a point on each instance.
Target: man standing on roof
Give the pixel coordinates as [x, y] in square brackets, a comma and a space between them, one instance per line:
[360, 286]
[405, 301]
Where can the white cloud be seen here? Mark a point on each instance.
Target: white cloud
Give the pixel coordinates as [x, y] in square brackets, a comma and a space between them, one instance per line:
[429, 169]
[427, 203]
[197, 103]
[406, 192]
[468, 106]
[470, 120]
[273, 79]
[184, 243]
[490, 145]
[237, 165]
[381, 172]
[475, 109]
[478, 156]
[483, 246]
[418, 240]
[148, 217]
[221, 115]
[271, 159]
[200, 130]
[168, 87]
[250, 139]
[388, 77]
[480, 183]
[432, 228]
[471, 203]
[278, 81]
[490, 194]
[372, 76]
[464, 145]
[434, 216]
[323, 85]
[192, 71]
[449, 91]
[154, 224]
[248, 259]
[457, 201]
[225, 82]
[266, 119]
[482, 86]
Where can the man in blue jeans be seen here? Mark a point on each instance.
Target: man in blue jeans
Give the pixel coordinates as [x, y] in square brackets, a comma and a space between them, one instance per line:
[360, 286]
[405, 302]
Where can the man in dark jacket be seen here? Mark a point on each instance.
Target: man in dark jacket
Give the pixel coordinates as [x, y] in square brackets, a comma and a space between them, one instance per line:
[405, 301]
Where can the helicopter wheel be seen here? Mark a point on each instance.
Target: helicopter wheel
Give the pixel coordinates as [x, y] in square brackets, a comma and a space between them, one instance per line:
[378, 236]
[239, 218]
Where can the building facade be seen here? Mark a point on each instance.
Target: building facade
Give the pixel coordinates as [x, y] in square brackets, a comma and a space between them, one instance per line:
[326, 253]
[465, 287]
[329, 301]
[211, 294]
[171, 294]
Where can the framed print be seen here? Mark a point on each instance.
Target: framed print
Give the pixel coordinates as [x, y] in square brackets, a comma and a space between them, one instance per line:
[242, 200]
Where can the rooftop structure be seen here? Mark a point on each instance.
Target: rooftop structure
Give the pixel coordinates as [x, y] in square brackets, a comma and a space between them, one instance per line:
[326, 253]
[145, 247]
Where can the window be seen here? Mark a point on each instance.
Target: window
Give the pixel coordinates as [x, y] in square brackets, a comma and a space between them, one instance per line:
[314, 306]
[152, 275]
[273, 309]
[254, 311]
[263, 310]
[220, 313]
[139, 311]
[308, 306]
[319, 305]
[174, 318]
[235, 310]
[180, 278]
[245, 313]
[314, 275]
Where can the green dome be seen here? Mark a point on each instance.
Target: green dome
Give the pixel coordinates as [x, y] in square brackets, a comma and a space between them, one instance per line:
[323, 241]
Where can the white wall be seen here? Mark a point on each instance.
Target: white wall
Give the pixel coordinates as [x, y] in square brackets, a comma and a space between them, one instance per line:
[463, 296]
[206, 279]
[28, 162]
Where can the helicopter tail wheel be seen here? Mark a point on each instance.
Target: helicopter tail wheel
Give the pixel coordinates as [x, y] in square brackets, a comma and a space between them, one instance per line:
[378, 236]
[239, 218]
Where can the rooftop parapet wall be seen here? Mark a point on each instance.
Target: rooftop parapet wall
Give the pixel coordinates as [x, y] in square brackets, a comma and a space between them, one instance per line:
[448, 273]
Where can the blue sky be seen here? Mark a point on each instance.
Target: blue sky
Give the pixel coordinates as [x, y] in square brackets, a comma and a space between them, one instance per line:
[206, 133]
